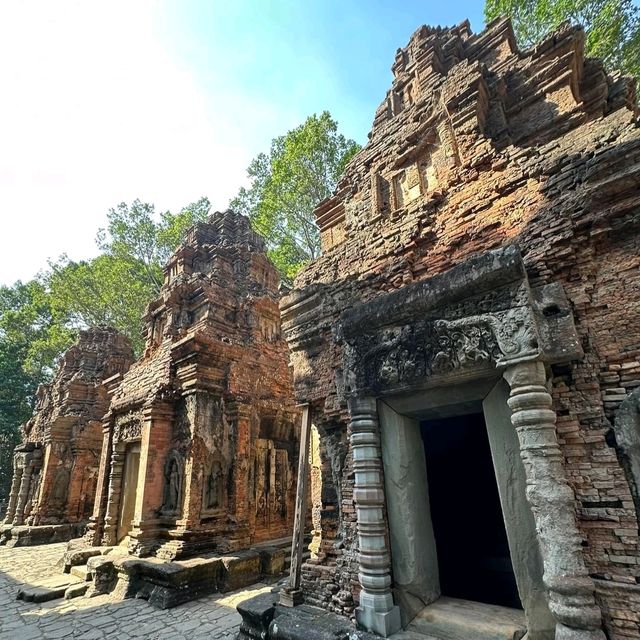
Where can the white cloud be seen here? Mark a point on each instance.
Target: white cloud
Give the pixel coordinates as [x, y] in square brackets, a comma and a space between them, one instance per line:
[94, 112]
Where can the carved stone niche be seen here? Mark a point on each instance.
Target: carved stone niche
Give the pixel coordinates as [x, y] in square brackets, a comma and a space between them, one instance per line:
[416, 177]
[477, 317]
[173, 485]
[213, 486]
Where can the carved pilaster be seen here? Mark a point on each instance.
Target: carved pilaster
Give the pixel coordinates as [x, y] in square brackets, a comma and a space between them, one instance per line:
[115, 495]
[376, 611]
[95, 528]
[23, 494]
[571, 590]
[15, 489]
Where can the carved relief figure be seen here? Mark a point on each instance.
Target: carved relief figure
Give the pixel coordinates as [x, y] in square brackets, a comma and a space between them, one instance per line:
[60, 487]
[213, 487]
[172, 484]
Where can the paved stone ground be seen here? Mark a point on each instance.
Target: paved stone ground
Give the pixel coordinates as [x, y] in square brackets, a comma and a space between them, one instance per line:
[213, 617]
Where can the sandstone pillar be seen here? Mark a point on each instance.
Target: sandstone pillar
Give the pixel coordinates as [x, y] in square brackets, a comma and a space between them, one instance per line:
[15, 489]
[23, 493]
[571, 590]
[377, 611]
[110, 534]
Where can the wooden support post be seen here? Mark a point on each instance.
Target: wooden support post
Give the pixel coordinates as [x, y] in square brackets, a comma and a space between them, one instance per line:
[292, 594]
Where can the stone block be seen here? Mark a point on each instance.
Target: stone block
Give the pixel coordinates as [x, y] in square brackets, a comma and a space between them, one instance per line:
[257, 614]
[240, 570]
[272, 561]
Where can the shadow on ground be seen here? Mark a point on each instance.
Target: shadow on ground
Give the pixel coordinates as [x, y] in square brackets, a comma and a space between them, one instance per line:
[213, 617]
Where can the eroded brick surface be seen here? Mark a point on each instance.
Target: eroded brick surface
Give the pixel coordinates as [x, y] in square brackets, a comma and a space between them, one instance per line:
[477, 146]
[56, 466]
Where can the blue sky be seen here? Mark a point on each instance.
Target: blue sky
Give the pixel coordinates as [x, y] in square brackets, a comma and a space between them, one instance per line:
[304, 57]
[168, 100]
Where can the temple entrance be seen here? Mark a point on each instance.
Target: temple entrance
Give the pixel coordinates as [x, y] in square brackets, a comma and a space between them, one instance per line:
[128, 490]
[464, 549]
[474, 562]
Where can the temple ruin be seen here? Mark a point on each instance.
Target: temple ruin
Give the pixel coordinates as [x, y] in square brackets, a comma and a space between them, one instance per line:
[468, 346]
[200, 441]
[56, 465]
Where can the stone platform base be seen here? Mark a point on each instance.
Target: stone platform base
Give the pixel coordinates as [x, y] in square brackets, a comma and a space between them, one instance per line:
[168, 584]
[25, 536]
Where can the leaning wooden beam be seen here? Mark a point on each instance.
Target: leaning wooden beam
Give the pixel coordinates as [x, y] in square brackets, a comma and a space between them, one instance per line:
[292, 594]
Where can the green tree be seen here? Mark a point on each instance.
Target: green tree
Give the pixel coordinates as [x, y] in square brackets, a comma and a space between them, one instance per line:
[31, 337]
[301, 169]
[612, 27]
[116, 287]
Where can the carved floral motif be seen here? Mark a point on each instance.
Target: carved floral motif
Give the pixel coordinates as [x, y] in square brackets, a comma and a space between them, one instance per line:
[407, 354]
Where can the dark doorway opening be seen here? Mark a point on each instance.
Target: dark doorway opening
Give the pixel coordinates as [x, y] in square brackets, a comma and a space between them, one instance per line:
[471, 540]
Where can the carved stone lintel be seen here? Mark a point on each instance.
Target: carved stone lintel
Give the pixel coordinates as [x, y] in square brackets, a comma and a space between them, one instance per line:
[571, 590]
[376, 611]
[128, 427]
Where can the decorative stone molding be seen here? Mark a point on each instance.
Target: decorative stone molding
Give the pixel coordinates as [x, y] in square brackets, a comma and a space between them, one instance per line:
[377, 611]
[128, 427]
[477, 317]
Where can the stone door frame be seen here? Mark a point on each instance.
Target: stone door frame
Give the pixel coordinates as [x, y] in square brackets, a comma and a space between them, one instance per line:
[414, 556]
[480, 319]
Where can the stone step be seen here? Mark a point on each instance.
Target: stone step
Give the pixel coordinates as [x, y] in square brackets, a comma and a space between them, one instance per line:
[453, 619]
[47, 589]
[411, 635]
[76, 590]
[80, 571]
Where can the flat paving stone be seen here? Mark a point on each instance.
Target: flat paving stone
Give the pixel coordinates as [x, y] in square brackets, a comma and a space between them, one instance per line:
[212, 617]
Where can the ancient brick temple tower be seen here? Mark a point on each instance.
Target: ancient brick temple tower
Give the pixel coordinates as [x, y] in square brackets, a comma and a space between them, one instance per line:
[469, 344]
[200, 444]
[56, 466]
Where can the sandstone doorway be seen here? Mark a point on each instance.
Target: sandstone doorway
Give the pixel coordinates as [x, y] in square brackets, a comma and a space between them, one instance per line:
[128, 491]
[465, 548]
[474, 561]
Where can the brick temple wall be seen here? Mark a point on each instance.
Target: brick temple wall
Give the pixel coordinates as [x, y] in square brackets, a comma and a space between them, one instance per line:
[210, 404]
[66, 432]
[477, 146]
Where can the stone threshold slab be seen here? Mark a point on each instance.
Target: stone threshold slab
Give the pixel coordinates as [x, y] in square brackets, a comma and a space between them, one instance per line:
[47, 589]
[454, 619]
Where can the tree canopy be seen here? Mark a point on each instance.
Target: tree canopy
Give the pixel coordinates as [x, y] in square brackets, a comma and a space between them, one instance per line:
[115, 287]
[612, 27]
[30, 340]
[300, 170]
